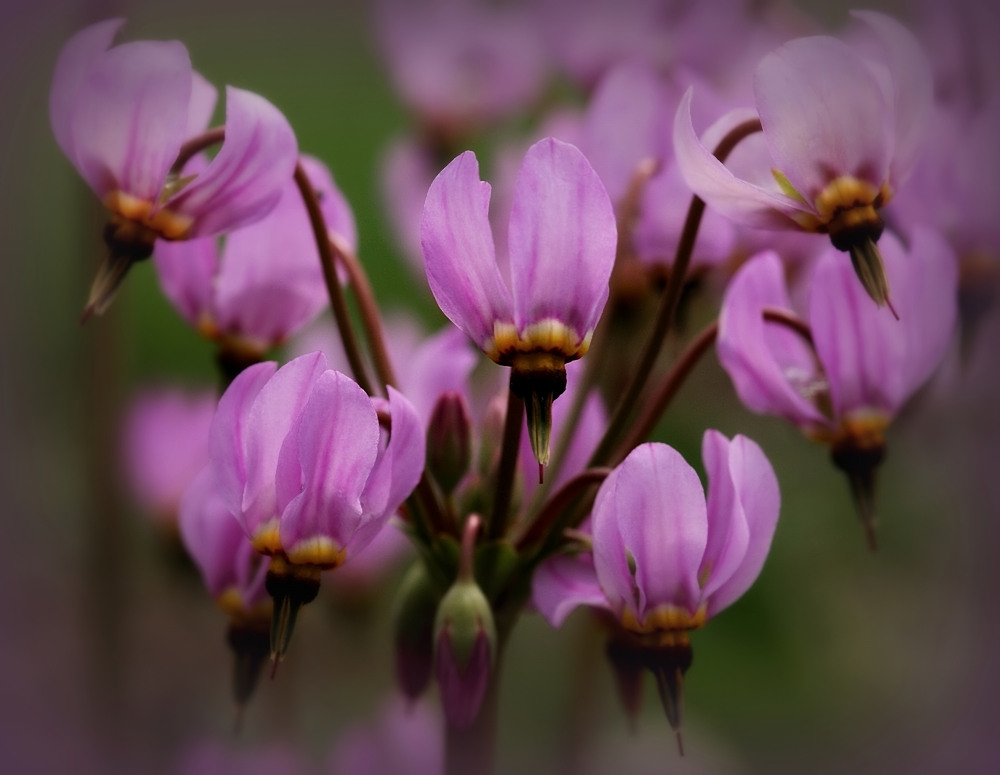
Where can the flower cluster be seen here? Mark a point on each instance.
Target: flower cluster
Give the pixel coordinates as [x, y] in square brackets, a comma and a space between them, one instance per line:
[671, 183]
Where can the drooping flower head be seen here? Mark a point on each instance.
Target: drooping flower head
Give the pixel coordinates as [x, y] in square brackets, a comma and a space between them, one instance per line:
[300, 457]
[561, 239]
[266, 282]
[845, 385]
[842, 129]
[666, 558]
[121, 115]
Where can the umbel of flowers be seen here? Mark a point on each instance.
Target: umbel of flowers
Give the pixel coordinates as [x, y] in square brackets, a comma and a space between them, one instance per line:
[310, 459]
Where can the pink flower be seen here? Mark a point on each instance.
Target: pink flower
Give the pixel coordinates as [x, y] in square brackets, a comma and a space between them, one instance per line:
[842, 133]
[266, 282]
[846, 385]
[164, 446]
[562, 238]
[121, 114]
[665, 559]
[300, 458]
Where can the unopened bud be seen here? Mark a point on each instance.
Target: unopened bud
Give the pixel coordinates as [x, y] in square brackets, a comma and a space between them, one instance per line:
[449, 441]
[413, 630]
[465, 646]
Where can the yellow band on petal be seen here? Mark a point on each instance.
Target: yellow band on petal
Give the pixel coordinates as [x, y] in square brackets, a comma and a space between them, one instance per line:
[548, 335]
[166, 224]
[320, 551]
[668, 622]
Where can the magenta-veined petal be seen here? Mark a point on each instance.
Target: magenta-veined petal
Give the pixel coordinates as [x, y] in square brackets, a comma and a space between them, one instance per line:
[824, 114]
[186, 271]
[562, 239]
[228, 434]
[400, 464]
[728, 533]
[74, 63]
[742, 481]
[271, 416]
[562, 583]
[245, 179]
[913, 89]
[650, 508]
[773, 370]
[211, 535]
[325, 463]
[459, 256]
[129, 117]
[203, 98]
[738, 199]
[874, 361]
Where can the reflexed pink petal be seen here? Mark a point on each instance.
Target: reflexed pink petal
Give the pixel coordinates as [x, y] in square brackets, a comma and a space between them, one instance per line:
[211, 534]
[441, 363]
[337, 212]
[129, 117]
[772, 369]
[873, 360]
[564, 582]
[78, 55]
[271, 416]
[245, 179]
[913, 89]
[710, 179]
[227, 436]
[400, 464]
[756, 501]
[823, 114]
[651, 507]
[458, 251]
[562, 238]
[203, 98]
[325, 462]
[186, 271]
[728, 533]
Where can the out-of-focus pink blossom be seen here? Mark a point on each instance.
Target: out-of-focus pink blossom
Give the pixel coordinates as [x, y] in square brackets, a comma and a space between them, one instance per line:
[164, 446]
[267, 281]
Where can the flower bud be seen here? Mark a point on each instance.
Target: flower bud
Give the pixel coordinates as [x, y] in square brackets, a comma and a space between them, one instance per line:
[465, 645]
[449, 441]
[413, 630]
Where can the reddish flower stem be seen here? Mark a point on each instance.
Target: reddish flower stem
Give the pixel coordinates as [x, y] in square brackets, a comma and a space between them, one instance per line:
[513, 420]
[668, 304]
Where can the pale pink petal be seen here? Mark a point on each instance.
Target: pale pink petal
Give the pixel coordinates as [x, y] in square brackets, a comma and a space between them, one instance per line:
[271, 416]
[75, 60]
[823, 113]
[562, 238]
[325, 462]
[186, 271]
[401, 463]
[458, 251]
[129, 117]
[652, 508]
[228, 434]
[913, 89]
[245, 179]
[203, 98]
[738, 199]
[756, 501]
[728, 533]
[773, 369]
[562, 583]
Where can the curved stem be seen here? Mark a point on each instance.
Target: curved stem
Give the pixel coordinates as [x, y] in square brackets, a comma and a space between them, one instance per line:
[337, 301]
[371, 320]
[542, 526]
[508, 466]
[668, 302]
[682, 369]
[197, 144]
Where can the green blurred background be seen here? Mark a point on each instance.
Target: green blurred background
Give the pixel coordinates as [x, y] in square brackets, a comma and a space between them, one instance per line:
[112, 658]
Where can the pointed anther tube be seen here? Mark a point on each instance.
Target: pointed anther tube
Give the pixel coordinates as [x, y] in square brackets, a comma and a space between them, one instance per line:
[290, 587]
[669, 664]
[859, 458]
[538, 379]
